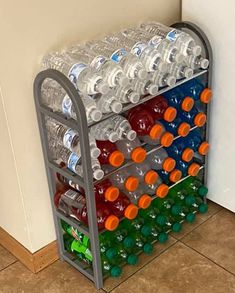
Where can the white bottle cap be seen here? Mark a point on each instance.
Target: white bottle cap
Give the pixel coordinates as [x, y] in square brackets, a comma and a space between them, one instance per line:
[113, 137]
[131, 135]
[98, 174]
[123, 81]
[116, 107]
[96, 115]
[171, 80]
[179, 58]
[134, 97]
[142, 74]
[204, 63]
[196, 50]
[102, 88]
[95, 152]
[153, 89]
[162, 67]
[188, 72]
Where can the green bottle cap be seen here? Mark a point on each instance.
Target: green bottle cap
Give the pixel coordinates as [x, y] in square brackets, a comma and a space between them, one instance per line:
[175, 210]
[176, 227]
[161, 220]
[203, 208]
[148, 248]
[202, 191]
[190, 218]
[132, 259]
[190, 200]
[128, 242]
[111, 253]
[162, 237]
[146, 230]
[115, 271]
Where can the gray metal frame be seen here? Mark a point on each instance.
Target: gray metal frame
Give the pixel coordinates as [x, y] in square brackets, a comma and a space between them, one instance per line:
[87, 182]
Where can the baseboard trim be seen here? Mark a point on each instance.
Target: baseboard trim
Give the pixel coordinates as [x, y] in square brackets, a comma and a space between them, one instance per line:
[35, 262]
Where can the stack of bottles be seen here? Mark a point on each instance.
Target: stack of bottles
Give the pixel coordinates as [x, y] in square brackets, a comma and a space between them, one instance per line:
[125, 243]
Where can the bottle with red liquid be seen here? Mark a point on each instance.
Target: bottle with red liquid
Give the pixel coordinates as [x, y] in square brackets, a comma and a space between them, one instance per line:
[73, 204]
[109, 154]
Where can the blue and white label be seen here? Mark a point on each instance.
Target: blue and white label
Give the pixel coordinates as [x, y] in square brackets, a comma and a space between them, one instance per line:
[73, 161]
[97, 62]
[173, 35]
[75, 71]
[68, 138]
[138, 48]
[155, 41]
[118, 55]
[67, 106]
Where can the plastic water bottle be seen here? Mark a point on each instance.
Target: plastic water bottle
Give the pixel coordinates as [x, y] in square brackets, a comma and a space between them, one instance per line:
[139, 198]
[130, 64]
[132, 149]
[126, 95]
[69, 138]
[108, 103]
[159, 159]
[163, 79]
[180, 71]
[157, 189]
[180, 150]
[144, 87]
[143, 172]
[196, 62]
[123, 128]
[184, 42]
[104, 131]
[85, 79]
[110, 71]
[124, 181]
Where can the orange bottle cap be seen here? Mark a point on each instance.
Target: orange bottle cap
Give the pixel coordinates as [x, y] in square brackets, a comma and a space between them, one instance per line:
[116, 159]
[144, 201]
[206, 95]
[193, 169]
[138, 155]
[187, 155]
[131, 211]
[162, 190]
[168, 164]
[167, 139]
[150, 177]
[170, 114]
[183, 129]
[200, 119]
[111, 223]
[175, 175]
[156, 131]
[187, 104]
[111, 193]
[204, 148]
[131, 183]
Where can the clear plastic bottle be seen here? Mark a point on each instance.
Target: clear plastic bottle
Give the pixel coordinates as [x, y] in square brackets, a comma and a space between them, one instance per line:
[139, 198]
[69, 138]
[184, 42]
[180, 71]
[126, 95]
[108, 103]
[123, 128]
[144, 87]
[124, 181]
[158, 188]
[162, 79]
[104, 131]
[92, 112]
[159, 159]
[196, 62]
[85, 79]
[144, 172]
[110, 71]
[130, 64]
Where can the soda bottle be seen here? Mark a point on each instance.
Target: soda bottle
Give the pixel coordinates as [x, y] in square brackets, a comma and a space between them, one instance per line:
[177, 127]
[109, 153]
[141, 243]
[139, 198]
[168, 177]
[152, 232]
[159, 159]
[123, 127]
[195, 141]
[73, 204]
[143, 172]
[144, 87]
[166, 222]
[108, 103]
[122, 207]
[197, 90]
[158, 188]
[180, 150]
[126, 95]
[195, 186]
[193, 117]
[124, 181]
[133, 225]
[149, 214]
[132, 149]
[196, 204]
[109, 269]
[188, 168]
[104, 131]
[177, 99]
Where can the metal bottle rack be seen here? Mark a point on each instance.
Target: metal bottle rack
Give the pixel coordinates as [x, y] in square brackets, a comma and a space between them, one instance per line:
[87, 181]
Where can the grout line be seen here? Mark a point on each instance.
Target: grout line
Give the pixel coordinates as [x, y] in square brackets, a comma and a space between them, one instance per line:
[144, 265]
[8, 265]
[218, 265]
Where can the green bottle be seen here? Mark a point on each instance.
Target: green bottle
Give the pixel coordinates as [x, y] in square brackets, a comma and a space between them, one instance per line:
[195, 186]
[167, 222]
[163, 204]
[150, 213]
[196, 203]
[81, 250]
[68, 239]
[141, 243]
[109, 269]
[135, 224]
[123, 256]
[153, 232]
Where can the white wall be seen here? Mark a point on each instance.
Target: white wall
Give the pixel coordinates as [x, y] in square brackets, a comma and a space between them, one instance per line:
[216, 18]
[28, 29]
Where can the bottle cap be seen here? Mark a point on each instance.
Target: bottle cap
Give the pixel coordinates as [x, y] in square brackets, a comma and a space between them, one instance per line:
[131, 183]
[131, 135]
[131, 211]
[134, 97]
[162, 237]
[115, 271]
[179, 58]
[98, 174]
[150, 177]
[161, 220]
[203, 208]
[111, 253]
[123, 81]
[153, 89]
[168, 164]
[132, 259]
[176, 227]
[113, 137]
[95, 152]
[156, 131]
[175, 210]
[111, 223]
[190, 200]
[204, 148]
[148, 248]
[202, 191]
[193, 169]
[111, 193]
[171, 80]
[196, 50]
[187, 155]
[204, 63]
[103, 88]
[175, 175]
[146, 230]
[144, 201]
[206, 95]
[170, 114]
[96, 115]
[116, 107]
[187, 104]
[116, 159]
[162, 190]
[190, 218]
[138, 155]
[142, 74]
[200, 119]
[167, 139]
[188, 72]
[183, 129]
[162, 66]
[128, 242]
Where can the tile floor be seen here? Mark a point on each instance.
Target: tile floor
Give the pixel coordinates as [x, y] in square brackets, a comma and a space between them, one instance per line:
[199, 259]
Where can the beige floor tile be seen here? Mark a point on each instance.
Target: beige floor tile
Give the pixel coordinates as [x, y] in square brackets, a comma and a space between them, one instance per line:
[213, 208]
[179, 269]
[111, 283]
[216, 239]
[57, 278]
[6, 258]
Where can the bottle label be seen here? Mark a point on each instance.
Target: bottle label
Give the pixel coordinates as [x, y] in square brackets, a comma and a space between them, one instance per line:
[118, 55]
[155, 41]
[74, 199]
[75, 71]
[97, 62]
[70, 194]
[68, 138]
[138, 48]
[67, 106]
[72, 162]
[173, 35]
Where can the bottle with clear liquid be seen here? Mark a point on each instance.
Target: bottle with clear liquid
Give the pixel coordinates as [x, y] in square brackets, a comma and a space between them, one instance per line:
[184, 42]
[162, 79]
[144, 87]
[84, 78]
[180, 71]
[130, 64]
[143, 172]
[158, 188]
[126, 95]
[139, 198]
[196, 62]
[110, 71]
[123, 180]
[132, 150]
[123, 128]
[159, 159]
[104, 131]
[108, 103]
